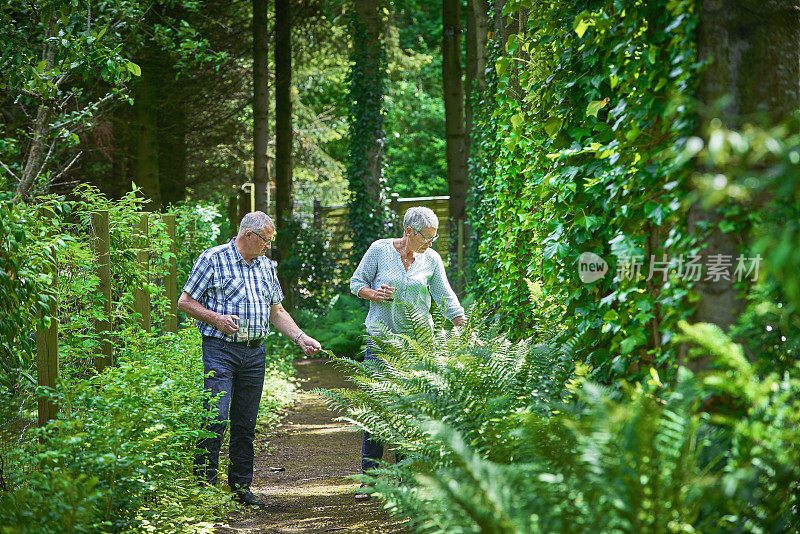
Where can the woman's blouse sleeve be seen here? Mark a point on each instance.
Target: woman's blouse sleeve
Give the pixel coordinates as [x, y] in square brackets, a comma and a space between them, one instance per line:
[441, 291]
[366, 270]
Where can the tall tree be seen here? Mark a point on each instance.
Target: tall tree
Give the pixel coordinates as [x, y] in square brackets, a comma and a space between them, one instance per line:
[55, 54]
[145, 169]
[283, 114]
[453, 89]
[260, 104]
[368, 214]
[476, 52]
[754, 63]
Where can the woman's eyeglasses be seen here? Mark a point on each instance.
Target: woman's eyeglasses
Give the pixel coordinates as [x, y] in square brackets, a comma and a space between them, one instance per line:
[427, 239]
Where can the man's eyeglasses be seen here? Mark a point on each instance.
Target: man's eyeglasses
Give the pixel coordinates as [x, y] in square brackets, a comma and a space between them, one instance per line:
[267, 241]
[427, 239]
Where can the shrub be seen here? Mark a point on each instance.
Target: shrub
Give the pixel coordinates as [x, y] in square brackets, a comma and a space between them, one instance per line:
[340, 328]
[507, 437]
[119, 455]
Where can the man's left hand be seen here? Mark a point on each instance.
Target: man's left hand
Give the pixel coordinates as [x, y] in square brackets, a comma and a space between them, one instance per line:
[309, 345]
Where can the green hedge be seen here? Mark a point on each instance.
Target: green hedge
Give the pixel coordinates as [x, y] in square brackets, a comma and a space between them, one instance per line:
[576, 145]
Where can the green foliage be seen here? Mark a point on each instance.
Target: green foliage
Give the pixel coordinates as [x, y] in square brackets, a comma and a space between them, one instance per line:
[447, 375]
[367, 79]
[198, 226]
[340, 327]
[311, 266]
[751, 175]
[504, 437]
[23, 277]
[121, 447]
[415, 141]
[575, 154]
[119, 455]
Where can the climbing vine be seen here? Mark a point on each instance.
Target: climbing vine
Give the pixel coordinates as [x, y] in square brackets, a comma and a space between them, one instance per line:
[368, 219]
[588, 106]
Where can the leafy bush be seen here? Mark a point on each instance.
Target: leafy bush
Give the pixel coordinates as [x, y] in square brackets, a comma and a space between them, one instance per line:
[575, 152]
[340, 329]
[22, 281]
[311, 268]
[120, 454]
[507, 437]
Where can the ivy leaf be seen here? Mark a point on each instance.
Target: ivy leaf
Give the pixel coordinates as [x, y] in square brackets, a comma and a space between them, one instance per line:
[502, 66]
[628, 344]
[595, 106]
[582, 24]
[552, 126]
[555, 248]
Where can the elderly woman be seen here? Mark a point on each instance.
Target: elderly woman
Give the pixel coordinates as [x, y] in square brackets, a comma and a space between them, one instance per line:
[395, 274]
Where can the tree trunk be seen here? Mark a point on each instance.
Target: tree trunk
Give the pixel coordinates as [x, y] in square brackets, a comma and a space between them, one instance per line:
[479, 14]
[368, 210]
[283, 113]
[283, 138]
[146, 143]
[173, 149]
[454, 108]
[756, 62]
[35, 160]
[260, 104]
[471, 71]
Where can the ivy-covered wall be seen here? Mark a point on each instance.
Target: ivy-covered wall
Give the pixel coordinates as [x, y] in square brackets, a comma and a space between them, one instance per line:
[577, 145]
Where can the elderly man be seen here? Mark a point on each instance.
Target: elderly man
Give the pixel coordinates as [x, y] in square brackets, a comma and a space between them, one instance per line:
[233, 294]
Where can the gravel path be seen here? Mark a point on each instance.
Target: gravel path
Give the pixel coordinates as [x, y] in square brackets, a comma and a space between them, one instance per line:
[314, 492]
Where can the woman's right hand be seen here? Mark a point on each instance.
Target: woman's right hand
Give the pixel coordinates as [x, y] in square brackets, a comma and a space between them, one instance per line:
[384, 293]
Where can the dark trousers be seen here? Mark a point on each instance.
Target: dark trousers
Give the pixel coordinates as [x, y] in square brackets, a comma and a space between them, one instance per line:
[372, 449]
[235, 374]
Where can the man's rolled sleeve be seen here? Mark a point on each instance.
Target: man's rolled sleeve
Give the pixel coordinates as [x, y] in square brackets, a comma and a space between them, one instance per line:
[200, 278]
[276, 296]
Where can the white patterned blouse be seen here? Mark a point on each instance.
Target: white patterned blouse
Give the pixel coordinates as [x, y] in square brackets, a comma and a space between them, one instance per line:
[381, 264]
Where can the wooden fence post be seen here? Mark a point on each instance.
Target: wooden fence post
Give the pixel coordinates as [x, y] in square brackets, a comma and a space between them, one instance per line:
[317, 214]
[244, 208]
[141, 294]
[233, 212]
[102, 254]
[171, 280]
[394, 205]
[47, 351]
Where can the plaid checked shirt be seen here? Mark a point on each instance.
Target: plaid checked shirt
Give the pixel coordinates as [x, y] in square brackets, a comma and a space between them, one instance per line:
[223, 282]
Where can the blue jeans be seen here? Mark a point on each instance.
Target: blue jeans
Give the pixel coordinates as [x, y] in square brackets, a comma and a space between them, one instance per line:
[237, 371]
[372, 449]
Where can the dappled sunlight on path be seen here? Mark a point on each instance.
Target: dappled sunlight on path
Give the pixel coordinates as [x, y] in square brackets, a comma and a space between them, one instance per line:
[313, 491]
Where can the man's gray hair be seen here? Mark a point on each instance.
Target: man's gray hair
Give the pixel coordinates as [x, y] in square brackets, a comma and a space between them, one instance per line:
[255, 221]
[420, 217]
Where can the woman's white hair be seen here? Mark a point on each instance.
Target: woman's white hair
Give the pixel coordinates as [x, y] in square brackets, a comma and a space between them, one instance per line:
[420, 217]
[255, 221]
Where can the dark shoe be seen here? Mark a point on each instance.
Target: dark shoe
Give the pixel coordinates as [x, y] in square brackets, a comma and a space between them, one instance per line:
[247, 497]
[361, 495]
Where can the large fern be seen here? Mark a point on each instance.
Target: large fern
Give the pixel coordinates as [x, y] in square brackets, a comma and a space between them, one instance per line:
[505, 437]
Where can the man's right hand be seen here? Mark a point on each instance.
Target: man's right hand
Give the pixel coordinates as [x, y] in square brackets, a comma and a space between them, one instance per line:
[227, 324]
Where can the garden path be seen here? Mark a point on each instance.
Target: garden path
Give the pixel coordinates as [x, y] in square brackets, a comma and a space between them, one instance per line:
[314, 492]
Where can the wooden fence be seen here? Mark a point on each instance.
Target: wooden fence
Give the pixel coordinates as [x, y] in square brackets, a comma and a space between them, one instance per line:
[334, 219]
[47, 338]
